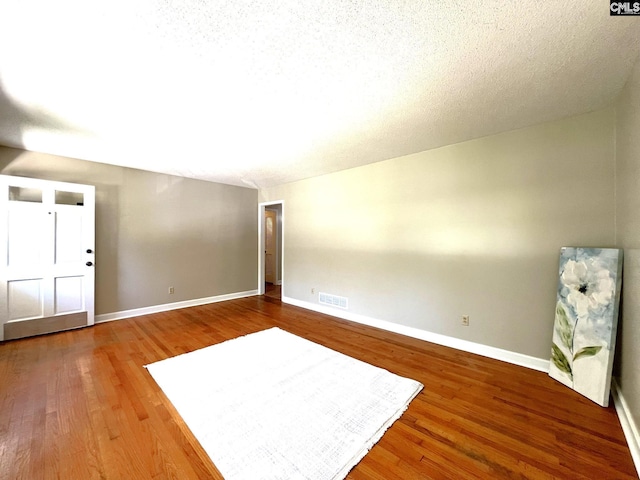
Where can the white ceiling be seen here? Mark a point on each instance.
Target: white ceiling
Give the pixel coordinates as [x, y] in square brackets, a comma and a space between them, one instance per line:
[262, 92]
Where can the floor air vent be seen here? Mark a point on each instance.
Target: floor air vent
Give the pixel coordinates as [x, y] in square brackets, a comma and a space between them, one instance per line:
[333, 300]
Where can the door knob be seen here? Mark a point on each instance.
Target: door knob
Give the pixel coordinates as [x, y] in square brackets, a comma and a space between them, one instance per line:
[89, 264]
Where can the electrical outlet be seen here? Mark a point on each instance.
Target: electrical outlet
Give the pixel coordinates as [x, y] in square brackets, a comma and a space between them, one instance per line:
[313, 291]
[465, 320]
[171, 291]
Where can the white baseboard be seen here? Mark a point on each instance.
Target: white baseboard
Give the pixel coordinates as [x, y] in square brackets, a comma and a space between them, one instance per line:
[629, 427]
[107, 317]
[464, 345]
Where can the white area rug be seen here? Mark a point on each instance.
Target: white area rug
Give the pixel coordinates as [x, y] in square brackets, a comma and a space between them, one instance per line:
[272, 405]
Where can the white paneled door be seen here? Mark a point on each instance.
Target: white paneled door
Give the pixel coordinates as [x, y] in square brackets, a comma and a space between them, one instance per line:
[48, 254]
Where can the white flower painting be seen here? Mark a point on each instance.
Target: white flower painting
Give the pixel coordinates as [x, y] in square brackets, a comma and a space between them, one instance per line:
[584, 332]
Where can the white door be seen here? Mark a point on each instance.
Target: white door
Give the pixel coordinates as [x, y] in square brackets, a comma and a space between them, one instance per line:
[48, 253]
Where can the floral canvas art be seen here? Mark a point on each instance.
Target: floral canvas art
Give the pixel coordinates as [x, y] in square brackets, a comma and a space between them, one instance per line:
[584, 332]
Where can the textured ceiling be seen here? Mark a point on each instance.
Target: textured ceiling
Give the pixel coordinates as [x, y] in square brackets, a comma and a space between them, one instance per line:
[258, 93]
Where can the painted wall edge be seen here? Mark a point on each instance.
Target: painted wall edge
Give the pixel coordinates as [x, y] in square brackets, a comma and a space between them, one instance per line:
[108, 317]
[515, 358]
[627, 422]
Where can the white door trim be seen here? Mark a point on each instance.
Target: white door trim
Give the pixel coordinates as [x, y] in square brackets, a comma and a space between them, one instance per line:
[261, 246]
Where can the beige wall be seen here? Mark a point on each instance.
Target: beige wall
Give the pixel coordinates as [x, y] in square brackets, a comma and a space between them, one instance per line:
[154, 231]
[473, 228]
[628, 237]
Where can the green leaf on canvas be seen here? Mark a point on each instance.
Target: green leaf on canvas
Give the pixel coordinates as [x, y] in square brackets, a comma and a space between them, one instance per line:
[560, 360]
[587, 352]
[563, 326]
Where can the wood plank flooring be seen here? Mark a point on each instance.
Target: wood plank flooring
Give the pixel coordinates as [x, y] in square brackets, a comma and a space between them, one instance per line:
[80, 405]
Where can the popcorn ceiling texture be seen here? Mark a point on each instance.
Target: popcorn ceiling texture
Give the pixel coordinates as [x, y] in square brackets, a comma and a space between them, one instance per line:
[260, 93]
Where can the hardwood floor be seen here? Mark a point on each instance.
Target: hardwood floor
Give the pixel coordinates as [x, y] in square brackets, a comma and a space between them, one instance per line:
[80, 405]
[273, 291]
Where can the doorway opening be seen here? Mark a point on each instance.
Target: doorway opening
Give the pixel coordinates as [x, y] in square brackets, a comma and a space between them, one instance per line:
[271, 249]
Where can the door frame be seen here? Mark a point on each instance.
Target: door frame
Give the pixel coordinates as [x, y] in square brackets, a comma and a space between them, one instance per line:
[261, 245]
